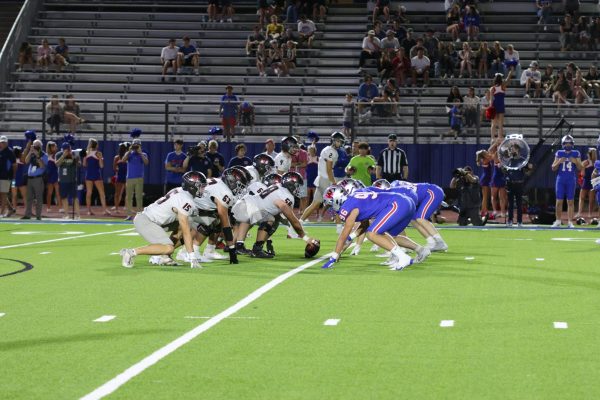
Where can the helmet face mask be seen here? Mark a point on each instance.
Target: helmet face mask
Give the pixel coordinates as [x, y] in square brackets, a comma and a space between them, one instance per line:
[235, 181]
[382, 184]
[194, 182]
[338, 139]
[350, 185]
[567, 142]
[289, 145]
[263, 163]
[292, 181]
[334, 197]
[271, 179]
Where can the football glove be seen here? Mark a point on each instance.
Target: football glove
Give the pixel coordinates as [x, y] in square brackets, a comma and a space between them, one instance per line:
[194, 262]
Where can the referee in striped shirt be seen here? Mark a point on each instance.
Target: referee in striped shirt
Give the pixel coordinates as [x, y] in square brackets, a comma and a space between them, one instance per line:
[392, 164]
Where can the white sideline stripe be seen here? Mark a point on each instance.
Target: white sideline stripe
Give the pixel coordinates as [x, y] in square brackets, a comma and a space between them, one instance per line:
[136, 369]
[561, 325]
[192, 317]
[129, 234]
[447, 323]
[539, 259]
[105, 318]
[61, 239]
[469, 258]
[46, 252]
[331, 322]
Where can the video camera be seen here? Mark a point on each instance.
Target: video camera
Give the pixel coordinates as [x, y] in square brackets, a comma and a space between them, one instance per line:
[193, 151]
[459, 173]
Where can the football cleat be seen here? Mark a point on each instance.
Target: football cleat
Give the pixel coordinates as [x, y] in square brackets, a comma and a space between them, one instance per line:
[213, 255]
[261, 254]
[182, 255]
[556, 224]
[242, 250]
[163, 260]
[401, 265]
[127, 257]
[422, 254]
[270, 248]
[439, 246]
[374, 248]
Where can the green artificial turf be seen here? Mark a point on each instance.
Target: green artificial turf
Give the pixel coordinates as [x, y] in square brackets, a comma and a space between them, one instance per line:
[387, 345]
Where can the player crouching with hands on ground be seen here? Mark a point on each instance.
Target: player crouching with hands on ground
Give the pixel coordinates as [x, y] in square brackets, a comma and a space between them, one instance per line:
[175, 206]
[391, 213]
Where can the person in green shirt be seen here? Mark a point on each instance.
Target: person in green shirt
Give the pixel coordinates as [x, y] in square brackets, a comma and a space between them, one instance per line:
[362, 166]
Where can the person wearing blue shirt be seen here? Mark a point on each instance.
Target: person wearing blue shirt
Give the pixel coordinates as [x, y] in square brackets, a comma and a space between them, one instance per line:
[567, 163]
[216, 158]
[136, 160]
[37, 161]
[367, 91]
[174, 166]
[188, 55]
[8, 166]
[339, 168]
[240, 159]
[471, 22]
[229, 111]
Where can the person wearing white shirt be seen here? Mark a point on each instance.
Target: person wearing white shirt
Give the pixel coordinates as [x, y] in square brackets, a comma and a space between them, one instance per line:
[532, 77]
[306, 31]
[420, 67]
[371, 47]
[511, 59]
[390, 43]
[168, 58]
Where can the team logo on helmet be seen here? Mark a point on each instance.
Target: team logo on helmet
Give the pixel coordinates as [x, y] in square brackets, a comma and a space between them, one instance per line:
[194, 182]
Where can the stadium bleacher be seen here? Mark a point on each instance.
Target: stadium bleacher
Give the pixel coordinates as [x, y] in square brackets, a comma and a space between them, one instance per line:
[115, 47]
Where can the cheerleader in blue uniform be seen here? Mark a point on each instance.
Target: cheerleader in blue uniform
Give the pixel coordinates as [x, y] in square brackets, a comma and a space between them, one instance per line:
[51, 175]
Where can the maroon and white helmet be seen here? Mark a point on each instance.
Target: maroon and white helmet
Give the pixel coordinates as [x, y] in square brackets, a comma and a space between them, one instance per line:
[235, 180]
[292, 181]
[263, 163]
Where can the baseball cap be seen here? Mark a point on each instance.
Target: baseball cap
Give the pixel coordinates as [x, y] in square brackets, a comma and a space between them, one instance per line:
[3, 139]
[392, 136]
[534, 64]
[371, 32]
[65, 146]
[136, 141]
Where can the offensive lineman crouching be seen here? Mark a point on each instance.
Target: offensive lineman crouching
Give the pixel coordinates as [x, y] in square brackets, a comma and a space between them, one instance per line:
[264, 209]
[175, 206]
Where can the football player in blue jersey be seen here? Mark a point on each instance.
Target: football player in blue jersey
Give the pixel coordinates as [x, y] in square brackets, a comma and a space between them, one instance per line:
[567, 162]
[391, 213]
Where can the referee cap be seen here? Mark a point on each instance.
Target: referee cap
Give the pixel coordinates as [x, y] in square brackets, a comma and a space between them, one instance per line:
[392, 136]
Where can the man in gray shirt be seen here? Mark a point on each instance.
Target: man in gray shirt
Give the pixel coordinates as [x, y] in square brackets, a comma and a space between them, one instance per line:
[68, 165]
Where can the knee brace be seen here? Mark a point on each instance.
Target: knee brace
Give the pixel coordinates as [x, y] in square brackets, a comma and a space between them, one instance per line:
[267, 227]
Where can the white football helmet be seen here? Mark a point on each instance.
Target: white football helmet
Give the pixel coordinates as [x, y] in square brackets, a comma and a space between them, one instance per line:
[350, 185]
[334, 197]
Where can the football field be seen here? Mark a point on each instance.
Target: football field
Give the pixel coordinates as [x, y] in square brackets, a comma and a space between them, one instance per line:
[504, 314]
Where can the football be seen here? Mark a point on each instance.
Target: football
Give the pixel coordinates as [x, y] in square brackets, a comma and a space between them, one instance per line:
[311, 249]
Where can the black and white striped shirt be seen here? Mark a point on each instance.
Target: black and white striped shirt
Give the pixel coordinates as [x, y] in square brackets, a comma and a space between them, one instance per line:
[392, 162]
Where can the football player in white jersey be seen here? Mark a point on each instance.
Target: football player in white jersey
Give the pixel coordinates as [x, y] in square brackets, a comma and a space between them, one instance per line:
[325, 178]
[212, 213]
[262, 165]
[175, 206]
[283, 161]
[263, 209]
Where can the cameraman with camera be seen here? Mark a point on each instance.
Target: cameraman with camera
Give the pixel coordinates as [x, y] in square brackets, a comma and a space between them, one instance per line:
[36, 161]
[136, 160]
[469, 190]
[68, 163]
[196, 160]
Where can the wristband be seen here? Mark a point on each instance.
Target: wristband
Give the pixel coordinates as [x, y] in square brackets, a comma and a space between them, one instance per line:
[353, 236]
[228, 233]
[305, 238]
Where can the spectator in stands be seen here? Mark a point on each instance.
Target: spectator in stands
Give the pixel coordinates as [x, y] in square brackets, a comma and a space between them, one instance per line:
[453, 23]
[583, 33]
[595, 33]
[390, 43]
[371, 49]
[212, 9]
[276, 59]
[254, 39]
[378, 29]
[362, 166]
[61, 55]
[401, 65]
[240, 158]
[593, 79]
[386, 69]
[382, 106]
[392, 163]
[306, 31]
[511, 59]
[8, 167]
[571, 7]
[561, 91]
[497, 93]
[367, 91]
[454, 95]
[56, 114]
[570, 72]
[400, 30]
[289, 55]
[447, 60]
[25, 56]
[431, 45]
[470, 110]
[497, 57]
[393, 88]
[466, 60]
[196, 160]
[547, 80]
[274, 29]
[51, 175]
[471, 22]
[136, 160]
[174, 166]
[420, 68]
[168, 59]
[120, 177]
[319, 10]
[531, 79]
[416, 47]
[580, 89]
[68, 164]
[567, 33]
[348, 115]
[45, 55]
[292, 11]
[72, 106]
[544, 12]
[247, 116]
[188, 55]
[216, 158]
[270, 148]
[227, 11]
[408, 42]
[262, 59]
[229, 111]
[483, 60]
[94, 164]
[456, 117]
[381, 7]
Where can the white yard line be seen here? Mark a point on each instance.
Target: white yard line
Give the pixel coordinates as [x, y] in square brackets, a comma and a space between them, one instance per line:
[561, 325]
[447, 323]
[331, 322]
[136, 369]
[12, 246]
[105, 318]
